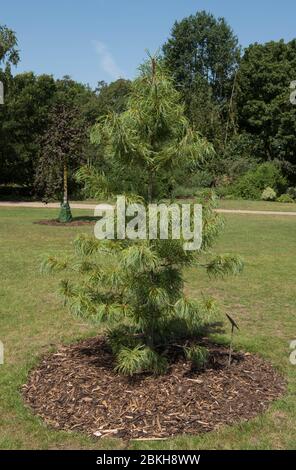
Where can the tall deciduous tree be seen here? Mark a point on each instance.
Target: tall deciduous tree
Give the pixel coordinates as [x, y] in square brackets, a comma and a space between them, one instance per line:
[202, 46]
[9, 54]
[137, 286]
[264, 108]
[113, 97]
[61, 147]
[23, 119]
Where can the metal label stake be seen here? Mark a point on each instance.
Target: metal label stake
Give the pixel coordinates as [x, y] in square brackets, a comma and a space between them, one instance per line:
[233, 326]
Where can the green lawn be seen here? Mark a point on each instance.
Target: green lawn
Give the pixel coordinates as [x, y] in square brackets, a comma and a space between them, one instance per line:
[33, 321]
[257, 205]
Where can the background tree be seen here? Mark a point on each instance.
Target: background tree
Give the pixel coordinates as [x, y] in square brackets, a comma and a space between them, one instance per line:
[264, 107]
[9, 54]
[23, 119]
[61, 147]
[202, 46]
[203, 56]
[113, 97]
[139, 286]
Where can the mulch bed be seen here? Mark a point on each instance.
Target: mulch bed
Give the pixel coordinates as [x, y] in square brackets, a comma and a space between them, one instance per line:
[76, 389]
[74, 223]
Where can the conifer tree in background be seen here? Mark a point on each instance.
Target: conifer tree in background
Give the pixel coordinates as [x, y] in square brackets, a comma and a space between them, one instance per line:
[137, 287]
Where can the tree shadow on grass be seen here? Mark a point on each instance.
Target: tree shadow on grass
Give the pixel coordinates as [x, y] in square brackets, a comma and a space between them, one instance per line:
[75, 222]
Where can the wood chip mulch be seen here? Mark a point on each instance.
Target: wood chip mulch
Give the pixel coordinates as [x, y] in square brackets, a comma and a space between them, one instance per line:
[76, 389]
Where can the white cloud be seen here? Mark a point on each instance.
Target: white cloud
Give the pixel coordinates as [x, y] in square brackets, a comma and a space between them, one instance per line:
[107, 62]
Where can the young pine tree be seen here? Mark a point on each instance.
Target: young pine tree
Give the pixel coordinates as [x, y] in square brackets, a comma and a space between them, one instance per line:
[137, 287]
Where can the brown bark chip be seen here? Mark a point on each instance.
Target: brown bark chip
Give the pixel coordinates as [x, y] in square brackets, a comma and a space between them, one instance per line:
[77, 389]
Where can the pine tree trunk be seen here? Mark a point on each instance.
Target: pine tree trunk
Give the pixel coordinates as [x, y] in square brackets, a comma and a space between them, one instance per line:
[151, 172]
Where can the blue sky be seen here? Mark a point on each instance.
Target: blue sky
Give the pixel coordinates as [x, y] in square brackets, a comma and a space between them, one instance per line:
[94, 40]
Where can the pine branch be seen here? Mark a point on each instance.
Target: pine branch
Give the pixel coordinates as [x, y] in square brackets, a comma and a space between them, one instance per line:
[53, 264]
[225, 265]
